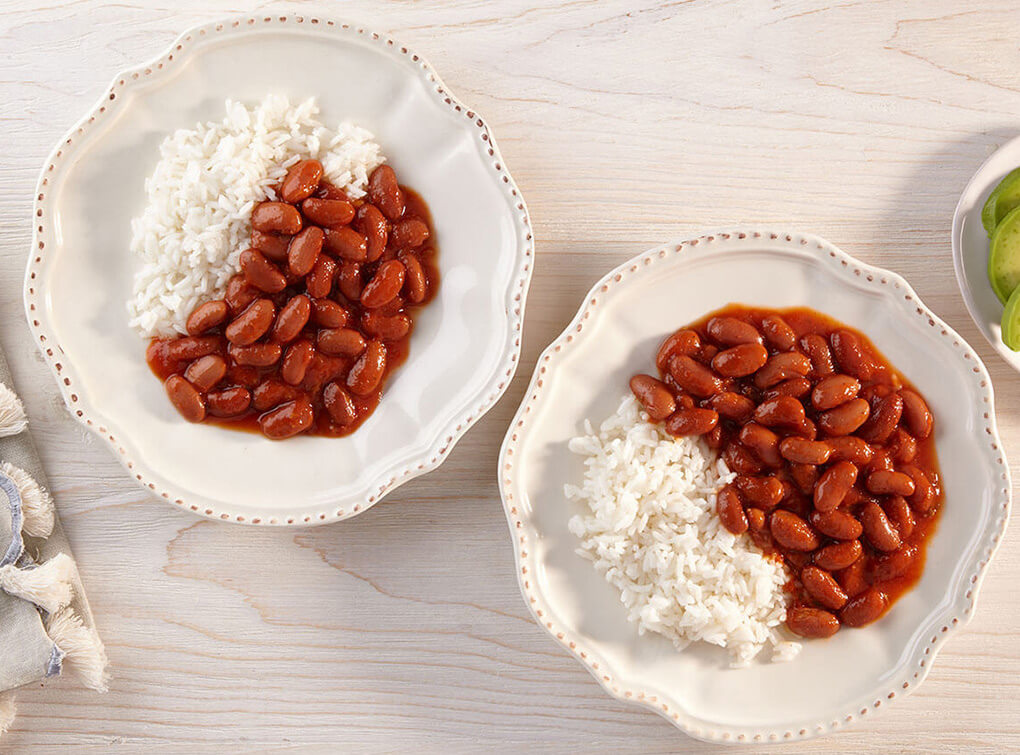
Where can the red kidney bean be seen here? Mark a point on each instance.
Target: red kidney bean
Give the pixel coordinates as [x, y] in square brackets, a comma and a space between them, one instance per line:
[654, 396]
[206, 317]
[763, 492]
[272, 392]
[778, 333]
[341, 342]
[415, 283]
[902, 446]
[388, 328]
[347, 243]
[328, 213]
[408, 234]
[256, 355]
[850, 448]
[706, 353]
[801, 451]
[731, 405]
[304, 251]
[328, 314]
[240, 293]
[242, 375]
[846, 418]
[252, 324]
[350, 281]
[916, 414]
[193, 347]
[292, 319]
[366, 374]
[206, 372]
[792, 532]
[740, 460]
[782, 367]
[782, 411]
[885, 482]
[838, 555]
[865, 608]
[261, 273]
[811, 623]
[693, 377]
[850, 355]
[385, 193]
[372, 225]
[271, 245]
[885, 416]
[691, 422]
[923, 499]
[833, 485]
[340, 405]
[897, 510]
[230, 402]
[834, 391]
[384, 286]
[714, 437]
[732, 332]
[730, 510]
[288, 420]
[301, 181]
[740, 360]
[836, 524]
[817, 349]
[684, 342]
[795, 387]
[805, 477]
[763, 442]
[185, 398]
[276, 217]
[854, 578]
[878, 529]
[895, 564]
[295, 362]
[821, 586]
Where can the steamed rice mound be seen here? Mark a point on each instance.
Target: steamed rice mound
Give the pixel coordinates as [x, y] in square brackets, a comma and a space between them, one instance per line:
[200, 196]
[651, 530]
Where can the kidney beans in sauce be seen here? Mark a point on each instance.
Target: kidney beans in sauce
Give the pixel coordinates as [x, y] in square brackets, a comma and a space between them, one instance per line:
[843, 486]
[287, 383]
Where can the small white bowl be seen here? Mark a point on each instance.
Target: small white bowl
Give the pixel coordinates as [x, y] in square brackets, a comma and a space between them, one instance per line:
[466, 343]
[583, 374]
[971, 246]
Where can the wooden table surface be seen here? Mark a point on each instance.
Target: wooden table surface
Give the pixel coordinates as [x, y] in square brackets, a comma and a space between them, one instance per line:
[626, 124]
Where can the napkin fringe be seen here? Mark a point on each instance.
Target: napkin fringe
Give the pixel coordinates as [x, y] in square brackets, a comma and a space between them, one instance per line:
[48, 585]
[12, 413]
[37, 510]
[8, 710]
[82, 648]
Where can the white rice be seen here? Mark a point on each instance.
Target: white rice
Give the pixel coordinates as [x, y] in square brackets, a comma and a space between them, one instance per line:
[200, 196]
[651, 530]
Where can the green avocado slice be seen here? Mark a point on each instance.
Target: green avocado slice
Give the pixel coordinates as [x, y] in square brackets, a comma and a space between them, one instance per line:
[1004, 198]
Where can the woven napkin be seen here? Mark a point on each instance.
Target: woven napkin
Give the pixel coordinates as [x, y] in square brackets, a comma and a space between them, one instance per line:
[45, 623]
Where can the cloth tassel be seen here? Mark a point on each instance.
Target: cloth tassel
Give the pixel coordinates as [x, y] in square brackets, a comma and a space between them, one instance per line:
[84, 651]
[36, 503]
[48, 585]
[12, 413]
[8, 711]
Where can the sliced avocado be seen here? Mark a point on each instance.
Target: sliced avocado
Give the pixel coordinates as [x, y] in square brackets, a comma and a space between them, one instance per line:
[1004, 198]
[1004, 259]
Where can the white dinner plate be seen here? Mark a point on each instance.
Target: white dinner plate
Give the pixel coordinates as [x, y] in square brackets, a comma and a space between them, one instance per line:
[584, 373]
[466, 343]
[970, 248]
